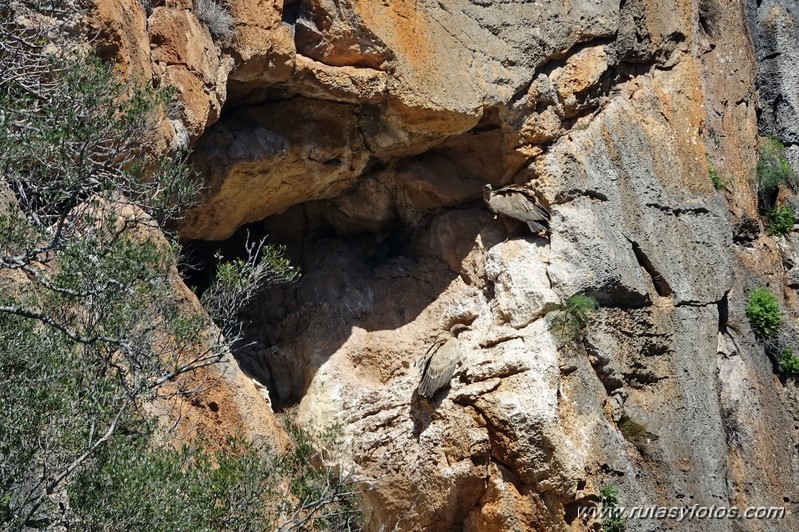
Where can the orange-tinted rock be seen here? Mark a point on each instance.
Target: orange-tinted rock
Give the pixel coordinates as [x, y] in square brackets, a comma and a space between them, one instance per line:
[188, 60]
[178, 38]
[396, 112]
[263, 47]
[121, 29]
[266, 161]
[339, 84]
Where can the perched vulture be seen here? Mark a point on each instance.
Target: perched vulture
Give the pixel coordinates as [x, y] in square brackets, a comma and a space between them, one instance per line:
[518, 203]
[439, 362]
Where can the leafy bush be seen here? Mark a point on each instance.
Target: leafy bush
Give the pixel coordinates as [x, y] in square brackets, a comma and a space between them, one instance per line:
[780, 221]
[91, 330]
[612, 521]
[238, 487]
[763, 312]
[715, 178]
[789, 363]
[236, 282]
[574, 316]
[773, 170]
[216, 17]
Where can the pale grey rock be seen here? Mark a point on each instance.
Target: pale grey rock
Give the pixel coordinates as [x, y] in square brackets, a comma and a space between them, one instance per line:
[590, 255]
[773, 25]
[518, 270]
[622, 220]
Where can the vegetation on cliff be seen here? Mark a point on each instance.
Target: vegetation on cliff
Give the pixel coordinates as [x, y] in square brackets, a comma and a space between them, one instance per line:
[789, 363]
[613, 521]
[715, 179]
[574, 316]
[773, 170]
[763, 312]
[93, 332]
[780, 221]
[216, 17]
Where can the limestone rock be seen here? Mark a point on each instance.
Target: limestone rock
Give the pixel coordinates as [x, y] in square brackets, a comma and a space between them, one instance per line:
[264, 162]
[121, 29]
[773, 25]
[417, 84]
[337, 35]
[262, 46]
[189, 61]
[372, 126]
[518, 271]
[612, 135]
[367, 208]
[342, 84]
[625, 171]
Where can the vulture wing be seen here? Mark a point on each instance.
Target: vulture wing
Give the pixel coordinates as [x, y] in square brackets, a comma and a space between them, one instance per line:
[536, 227]
[520, 204]
[437, 366]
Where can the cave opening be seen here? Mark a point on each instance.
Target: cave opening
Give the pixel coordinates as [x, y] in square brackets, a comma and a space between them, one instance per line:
[292, 11]
[276, 316]
[377, 231]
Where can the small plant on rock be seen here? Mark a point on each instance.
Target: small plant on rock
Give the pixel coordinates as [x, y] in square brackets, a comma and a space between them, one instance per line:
[763, 312]
[574, 316]
[238, 280]
[773, 170]
[216, 17]
[789, 363]
[636, 434]
[612, 519]
[715, 178]
[780, 221]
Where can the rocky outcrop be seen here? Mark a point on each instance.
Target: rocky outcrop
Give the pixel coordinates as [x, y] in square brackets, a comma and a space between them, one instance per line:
[169, 45]
[214, 401]
[407, 91]
[360, 134]
[184, 57]
[773, 26]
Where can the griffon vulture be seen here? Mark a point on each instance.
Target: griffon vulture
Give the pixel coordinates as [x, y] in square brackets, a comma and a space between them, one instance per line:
[439, 362]
[519, 203]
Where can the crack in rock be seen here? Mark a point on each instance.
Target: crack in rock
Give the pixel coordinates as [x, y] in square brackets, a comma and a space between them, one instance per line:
[658, 281]
[677, 211]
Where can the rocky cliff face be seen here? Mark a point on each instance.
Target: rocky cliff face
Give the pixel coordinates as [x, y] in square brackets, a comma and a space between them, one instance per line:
[360, 134]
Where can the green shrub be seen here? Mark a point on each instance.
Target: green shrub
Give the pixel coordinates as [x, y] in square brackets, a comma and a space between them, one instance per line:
[574, 316]
[780, 221]
[789, 363]
[134, 486]
[763, 312]
[773, 170]
[715, 178]
[94, 336]
[237, 281]
[612, 519]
